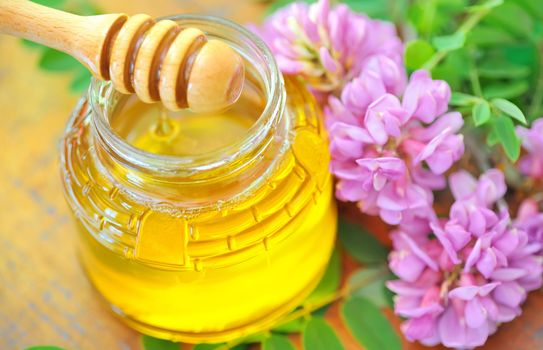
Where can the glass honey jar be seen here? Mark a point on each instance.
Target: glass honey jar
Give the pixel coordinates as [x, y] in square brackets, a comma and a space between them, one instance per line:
[202, 227]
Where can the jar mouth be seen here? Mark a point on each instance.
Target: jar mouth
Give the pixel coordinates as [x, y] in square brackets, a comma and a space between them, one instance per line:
[103, 97]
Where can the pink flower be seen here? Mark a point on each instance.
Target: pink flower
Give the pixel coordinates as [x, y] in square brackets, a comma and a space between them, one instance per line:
[457, 288]
[384, 117]
[532, 141]
[370, 125]
[530, 220]
[330, 46]
[424, 98]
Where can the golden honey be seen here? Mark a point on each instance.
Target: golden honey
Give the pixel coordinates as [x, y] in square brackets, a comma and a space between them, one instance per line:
[202, 228]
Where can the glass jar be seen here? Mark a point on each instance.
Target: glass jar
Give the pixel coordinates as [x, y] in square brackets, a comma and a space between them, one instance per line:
[210, 246]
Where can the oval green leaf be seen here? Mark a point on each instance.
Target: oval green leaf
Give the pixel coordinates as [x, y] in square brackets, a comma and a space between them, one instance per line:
[505, 90]
[481, 113]
[507, 137]
[44, 347]
[462, 100]
[449, 42]
[369, 326]
[277, 342]
[510, 109]
[294, 326]
[417, 53]
[56, 61]
[50, 3]
[319, 335]
[360, 244]
[372, 281]
[151, 343]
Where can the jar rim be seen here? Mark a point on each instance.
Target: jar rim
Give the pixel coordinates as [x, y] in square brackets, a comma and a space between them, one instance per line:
[99, 91]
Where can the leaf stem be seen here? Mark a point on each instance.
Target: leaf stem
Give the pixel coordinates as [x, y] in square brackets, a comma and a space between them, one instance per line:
[341, 293]
[474, 75]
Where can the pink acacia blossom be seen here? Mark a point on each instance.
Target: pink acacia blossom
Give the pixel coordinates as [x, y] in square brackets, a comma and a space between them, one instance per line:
[460, 277]
[373, 129]
[531, 164]
[530, 219]
[330, 46]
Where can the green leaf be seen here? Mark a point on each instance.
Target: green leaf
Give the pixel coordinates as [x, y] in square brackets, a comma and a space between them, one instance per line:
[81, 81]
[391, 10]
[481, 113]
[277, 342]
[150, 343]
[449, 42]
[374, 288]
[44, 347]
[50, 3]
[507, 137]
[510, 109]
[319, 335]
[32, 44]
[505, 90]
[462, 100]
[490, 4]
[206, 346]
[360, 244]
[513, 18]
[453, 69]
[520, 53]
[492, 138]
[417, 53]
[486, 35]
[503, 69]
[532, 6]
[294, 326]
[56, 61]
[329, 282]
[368, 325]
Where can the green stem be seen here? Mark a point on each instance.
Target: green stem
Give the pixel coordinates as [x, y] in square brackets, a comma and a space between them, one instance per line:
[537, 99]
[474, 76]
[470, 22]
[339, 294]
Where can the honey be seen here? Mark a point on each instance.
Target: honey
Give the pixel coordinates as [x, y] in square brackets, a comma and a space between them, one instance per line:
[202, 227]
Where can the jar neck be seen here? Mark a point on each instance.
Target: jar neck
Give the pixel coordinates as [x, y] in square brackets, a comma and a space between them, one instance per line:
[165, 175]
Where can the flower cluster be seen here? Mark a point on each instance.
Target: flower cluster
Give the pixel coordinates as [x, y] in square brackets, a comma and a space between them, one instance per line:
[328, 47]
[460, 277]
[532, 141]
[391, 144]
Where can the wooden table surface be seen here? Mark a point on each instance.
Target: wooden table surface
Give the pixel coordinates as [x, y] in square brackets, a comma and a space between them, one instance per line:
[44, 297]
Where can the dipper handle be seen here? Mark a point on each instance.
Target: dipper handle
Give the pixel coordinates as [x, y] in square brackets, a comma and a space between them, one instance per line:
[159, 61]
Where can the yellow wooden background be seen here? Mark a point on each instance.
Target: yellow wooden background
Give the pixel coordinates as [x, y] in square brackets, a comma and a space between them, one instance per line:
[44, 297]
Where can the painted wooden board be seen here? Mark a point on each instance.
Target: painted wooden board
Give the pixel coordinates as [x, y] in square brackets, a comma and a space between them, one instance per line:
[44, 297]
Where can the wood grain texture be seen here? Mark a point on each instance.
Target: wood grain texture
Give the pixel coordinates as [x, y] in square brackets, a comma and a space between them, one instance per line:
[44, 297]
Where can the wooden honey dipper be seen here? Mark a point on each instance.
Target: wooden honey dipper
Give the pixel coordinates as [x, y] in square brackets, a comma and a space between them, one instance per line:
[159, 61]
